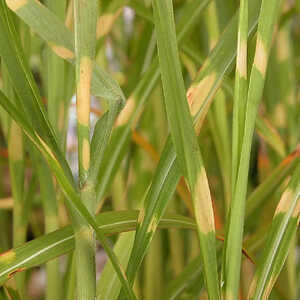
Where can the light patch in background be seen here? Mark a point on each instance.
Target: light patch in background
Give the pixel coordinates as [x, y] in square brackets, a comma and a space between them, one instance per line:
[128, 17]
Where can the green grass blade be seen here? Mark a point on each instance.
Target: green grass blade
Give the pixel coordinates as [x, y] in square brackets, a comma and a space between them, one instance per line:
[267, 187]
[72, 197]
[17, 172]
[217, 115]
[56, 74]
[116, 149]
[240, 90]
[217, 119]
[51, 245]
[48, 195]
[15, 145]
[66, 185]
[99, 143]
[271, 136]
[56, 77]
[168, 173]
[25, 86]
[281, 233]
[185, 141]
[109, 286]
[160, 192]
[85, 18]
[176, 74]
[287, 83]
[36, 110]
[234, 236]
[192, 273]
[134, 106]
[61, 40]
[220, 60]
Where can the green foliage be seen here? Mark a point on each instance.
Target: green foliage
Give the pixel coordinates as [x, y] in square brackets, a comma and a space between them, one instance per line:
[154, 82]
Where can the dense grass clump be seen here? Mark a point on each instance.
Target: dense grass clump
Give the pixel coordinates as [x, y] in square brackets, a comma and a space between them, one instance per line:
[149, 149]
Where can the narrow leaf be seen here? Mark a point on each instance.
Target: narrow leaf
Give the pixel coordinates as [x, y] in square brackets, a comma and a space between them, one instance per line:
[234, 235]
[281, 233]
[46, 24]
[185, 140]
[57, 243]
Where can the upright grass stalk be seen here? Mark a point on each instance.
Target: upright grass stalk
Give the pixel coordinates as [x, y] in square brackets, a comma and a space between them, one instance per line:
[128, 118]
[85, 35]
[56, 91]
[16, 166]
[109, 286]
[32, 117]
[287, 75]
[185, 140]
[56, 79]
[49, 200]
[126, 45]
[217, 116]
[73, 200]
[85, 16]
[167, 174]
[234, 235]
[17, 171]
[240, 91]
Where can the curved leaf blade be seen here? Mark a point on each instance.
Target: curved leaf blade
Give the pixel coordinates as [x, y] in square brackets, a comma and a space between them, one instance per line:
[59, 242]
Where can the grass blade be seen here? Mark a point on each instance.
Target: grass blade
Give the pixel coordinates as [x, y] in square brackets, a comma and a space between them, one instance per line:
[57, 106]
[51, 245]
[99, 143]
[186, 69]
[44, 134]
[17, 170]
[61, 40]
[109, 286]
[48, 195]
[135, 105]
[217, 116]
[185, 141]
[280, 236]
[72, 197]
[234, 236]
[192, 273]
[85, 17]
[25, 86]
[56, 78]
[265, 189]
[168, 173]
[240, 91]
[271, 136]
